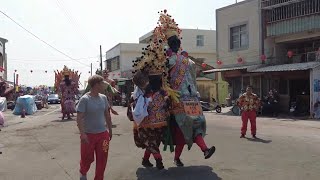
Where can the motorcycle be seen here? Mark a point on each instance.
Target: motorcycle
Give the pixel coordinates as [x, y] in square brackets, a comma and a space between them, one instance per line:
[11, 105]
[39, 102]
[206, 106]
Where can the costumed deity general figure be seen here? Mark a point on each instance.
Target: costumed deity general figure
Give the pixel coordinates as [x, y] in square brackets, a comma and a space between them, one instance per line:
[150, 110]
[109, 89]
[68, 88]
[188, 123]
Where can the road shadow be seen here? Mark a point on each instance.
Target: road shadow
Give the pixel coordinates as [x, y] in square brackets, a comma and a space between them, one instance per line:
[259, 140]
[64, 120]
[178, 173]
[228, 112]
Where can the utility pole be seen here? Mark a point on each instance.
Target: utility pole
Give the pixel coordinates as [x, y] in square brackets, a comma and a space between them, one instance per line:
[14, 82]
[100, 58]
[91, 68]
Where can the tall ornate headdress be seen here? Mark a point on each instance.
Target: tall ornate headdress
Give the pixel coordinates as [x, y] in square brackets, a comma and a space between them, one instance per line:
[167, 26]
[66, 71]
[154, 59]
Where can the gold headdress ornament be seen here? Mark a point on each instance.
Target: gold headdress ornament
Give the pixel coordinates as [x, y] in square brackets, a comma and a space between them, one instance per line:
[59, 76]
[154, 59]
[66, 71]
[167, 25]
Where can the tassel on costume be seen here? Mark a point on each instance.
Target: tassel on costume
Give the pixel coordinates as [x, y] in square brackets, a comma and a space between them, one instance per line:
[168, 137]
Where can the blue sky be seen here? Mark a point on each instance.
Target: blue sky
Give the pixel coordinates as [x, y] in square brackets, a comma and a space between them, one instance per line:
[78, 27]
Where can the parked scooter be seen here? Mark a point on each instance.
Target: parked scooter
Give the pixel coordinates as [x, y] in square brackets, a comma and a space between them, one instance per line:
[206, 106]
[293, 107]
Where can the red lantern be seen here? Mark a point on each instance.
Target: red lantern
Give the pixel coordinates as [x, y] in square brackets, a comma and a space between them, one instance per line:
[219, 62]
[240, 60]
[290, 54]
[118, 74]
[203, 65]
[263, 57]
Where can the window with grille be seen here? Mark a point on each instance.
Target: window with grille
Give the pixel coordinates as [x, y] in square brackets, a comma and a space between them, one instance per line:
[239, 37]
[200, 40]
[113, 63]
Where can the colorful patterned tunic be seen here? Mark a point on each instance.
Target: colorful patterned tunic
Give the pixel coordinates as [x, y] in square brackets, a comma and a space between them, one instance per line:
[68, 96]
[249, 102]
[149, 133]
[190, 119]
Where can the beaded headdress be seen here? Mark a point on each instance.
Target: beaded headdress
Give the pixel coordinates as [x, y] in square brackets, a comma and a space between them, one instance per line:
[154, 59]
[66, 71]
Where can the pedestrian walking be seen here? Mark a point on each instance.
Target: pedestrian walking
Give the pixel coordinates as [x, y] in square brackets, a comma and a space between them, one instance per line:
[249, 104]
[94, 123]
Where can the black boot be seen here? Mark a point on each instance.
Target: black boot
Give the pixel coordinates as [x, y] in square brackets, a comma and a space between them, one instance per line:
[178, 162]
[159, 164]
[208, 153]
[146, 163]
[254, 136]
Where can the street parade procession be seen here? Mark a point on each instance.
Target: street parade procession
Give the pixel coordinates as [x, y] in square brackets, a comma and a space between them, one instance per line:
[164, 106]
[175, 104]
[67, 84]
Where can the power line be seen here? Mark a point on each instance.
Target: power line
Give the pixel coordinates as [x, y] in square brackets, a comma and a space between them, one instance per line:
[42, 40]
[73, 20]
[48, 59]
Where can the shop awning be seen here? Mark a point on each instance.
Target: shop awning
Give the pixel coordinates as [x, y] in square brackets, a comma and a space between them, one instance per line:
[232, 68]
[203, 79]
[288, 67]
[121, 83]
[121, 79]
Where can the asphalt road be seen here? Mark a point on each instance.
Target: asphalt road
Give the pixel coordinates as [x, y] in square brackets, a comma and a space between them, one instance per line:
[42, 147]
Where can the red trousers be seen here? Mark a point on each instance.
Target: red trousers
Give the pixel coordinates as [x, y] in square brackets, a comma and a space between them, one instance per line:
[249, 115]
[148, 153]
[180, 142]
[98, 144]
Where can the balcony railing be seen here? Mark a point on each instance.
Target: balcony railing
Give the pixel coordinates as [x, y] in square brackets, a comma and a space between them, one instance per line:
[293, 10]
[313, 56]
[297, 58]
[306, 57]
[270, 4]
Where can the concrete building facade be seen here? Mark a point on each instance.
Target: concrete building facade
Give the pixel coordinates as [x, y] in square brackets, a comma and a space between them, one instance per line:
[272, 44]
[200, 45]
[238, 34]
[3, 58]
